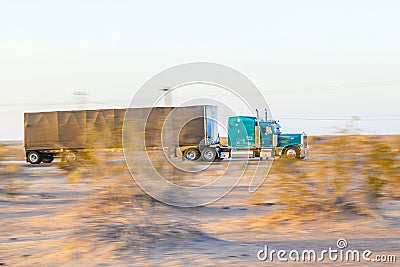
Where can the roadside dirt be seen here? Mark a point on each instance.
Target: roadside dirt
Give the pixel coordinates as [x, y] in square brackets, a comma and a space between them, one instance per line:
[50, 216]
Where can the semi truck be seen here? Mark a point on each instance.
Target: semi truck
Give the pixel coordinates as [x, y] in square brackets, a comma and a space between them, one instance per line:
[255, 137]
[68, 134]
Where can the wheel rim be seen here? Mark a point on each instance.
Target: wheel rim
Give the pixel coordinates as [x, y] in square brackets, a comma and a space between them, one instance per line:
[71, 157]
[191, 155]
[208, 155]
[291, 153]
[33, 157]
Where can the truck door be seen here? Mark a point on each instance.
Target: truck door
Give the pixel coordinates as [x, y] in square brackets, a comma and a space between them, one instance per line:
[241, 132]
[267, 136]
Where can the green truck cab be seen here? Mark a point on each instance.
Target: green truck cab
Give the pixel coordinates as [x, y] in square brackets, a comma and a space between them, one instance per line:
[248, 135]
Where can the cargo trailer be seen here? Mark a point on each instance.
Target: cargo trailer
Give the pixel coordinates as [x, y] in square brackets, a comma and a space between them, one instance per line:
[66, 134]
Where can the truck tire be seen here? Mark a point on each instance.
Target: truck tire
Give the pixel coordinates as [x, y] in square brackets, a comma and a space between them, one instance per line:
[291, 153]
[34, 157]
[70, 157]
[208, 154]
[48, 159]
[191, 154]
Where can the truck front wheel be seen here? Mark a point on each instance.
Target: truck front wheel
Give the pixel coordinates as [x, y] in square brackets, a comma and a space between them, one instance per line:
[34, 157]
[208, 154]
[191, 154]
[291, 153]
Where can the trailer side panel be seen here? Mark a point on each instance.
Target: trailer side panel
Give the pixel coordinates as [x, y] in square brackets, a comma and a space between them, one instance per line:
[81, 129]
[41, 130]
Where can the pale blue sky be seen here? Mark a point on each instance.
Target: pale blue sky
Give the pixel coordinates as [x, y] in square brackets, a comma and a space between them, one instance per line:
[311, 59]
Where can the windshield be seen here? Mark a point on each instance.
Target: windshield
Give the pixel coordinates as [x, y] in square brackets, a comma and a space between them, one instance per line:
[276, 128]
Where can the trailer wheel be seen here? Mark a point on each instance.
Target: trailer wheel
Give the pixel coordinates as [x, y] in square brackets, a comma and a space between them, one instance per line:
[191, 154]
[71, 157]
[208, 154]
[48, 159]
[291, 153]
[34, 157]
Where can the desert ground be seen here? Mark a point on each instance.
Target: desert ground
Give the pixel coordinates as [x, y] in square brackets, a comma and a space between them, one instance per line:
[93, 213]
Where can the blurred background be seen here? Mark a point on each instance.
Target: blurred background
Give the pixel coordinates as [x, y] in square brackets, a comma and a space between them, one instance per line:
[319, 65]
[324, 67]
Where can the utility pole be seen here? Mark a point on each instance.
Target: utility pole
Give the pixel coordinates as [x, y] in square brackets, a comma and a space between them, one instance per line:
[167, 96]
[80, 98]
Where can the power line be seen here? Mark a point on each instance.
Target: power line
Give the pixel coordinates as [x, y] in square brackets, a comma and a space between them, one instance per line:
[276, 91]
[117, 103]
[334, 87]
[392, 118]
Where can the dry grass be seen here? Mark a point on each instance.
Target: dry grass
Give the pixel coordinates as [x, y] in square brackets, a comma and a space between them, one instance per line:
[119, 210]
[345, 175]
[99, 216]
[9, 171]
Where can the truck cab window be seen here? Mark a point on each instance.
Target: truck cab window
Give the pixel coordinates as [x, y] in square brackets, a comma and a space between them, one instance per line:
[264, 130]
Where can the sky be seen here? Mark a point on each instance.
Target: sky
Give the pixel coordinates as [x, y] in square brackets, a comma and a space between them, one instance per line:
[321, 65]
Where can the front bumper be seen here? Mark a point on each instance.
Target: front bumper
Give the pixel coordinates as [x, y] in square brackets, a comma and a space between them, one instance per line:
[304, 152]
